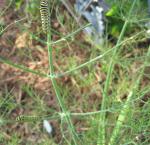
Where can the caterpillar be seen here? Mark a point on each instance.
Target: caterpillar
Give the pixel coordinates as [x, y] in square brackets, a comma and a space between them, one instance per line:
[45, 17]
[23, 118]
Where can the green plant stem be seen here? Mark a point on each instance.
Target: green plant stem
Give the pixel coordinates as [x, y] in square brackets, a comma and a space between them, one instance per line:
[98, 57]
[8, 26]
[101, 139]
[121, 119]
[123, 114]
[21, 67]
[102, 120]
[58, 95]
[25, 69]
[3, 12]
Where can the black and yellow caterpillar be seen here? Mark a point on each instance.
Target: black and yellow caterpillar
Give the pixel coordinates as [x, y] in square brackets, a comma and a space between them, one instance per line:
[45, 15]
[23, 118]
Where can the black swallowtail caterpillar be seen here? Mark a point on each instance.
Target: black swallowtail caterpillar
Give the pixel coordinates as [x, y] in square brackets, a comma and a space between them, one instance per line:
[23, 118]
[45, 16]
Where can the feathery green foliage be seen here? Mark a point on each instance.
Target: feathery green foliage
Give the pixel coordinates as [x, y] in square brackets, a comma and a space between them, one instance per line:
[102, 91]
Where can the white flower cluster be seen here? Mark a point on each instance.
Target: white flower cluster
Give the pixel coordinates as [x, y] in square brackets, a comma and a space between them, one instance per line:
[92, 11]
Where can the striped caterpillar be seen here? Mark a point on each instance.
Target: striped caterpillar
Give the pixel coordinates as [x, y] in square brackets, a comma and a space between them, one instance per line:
[23, 118]
[45, 16]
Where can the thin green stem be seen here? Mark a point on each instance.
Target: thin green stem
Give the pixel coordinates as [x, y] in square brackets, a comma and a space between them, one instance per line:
[63, 38]
[102, 120]
[50, 55]
[3, 12]
[15, 22]
[25, 69]
[98, 57]
[21, 67]
[126, 107]
[58, 95]
[101, 139]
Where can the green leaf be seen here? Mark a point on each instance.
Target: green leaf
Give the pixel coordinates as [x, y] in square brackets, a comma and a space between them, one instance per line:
[112, 11]
[18, 4]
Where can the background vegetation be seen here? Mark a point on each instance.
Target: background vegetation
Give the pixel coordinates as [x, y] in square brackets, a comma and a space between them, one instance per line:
[103, 90]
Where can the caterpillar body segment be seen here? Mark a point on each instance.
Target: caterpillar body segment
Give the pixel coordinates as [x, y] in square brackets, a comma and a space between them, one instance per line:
[45, 16]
